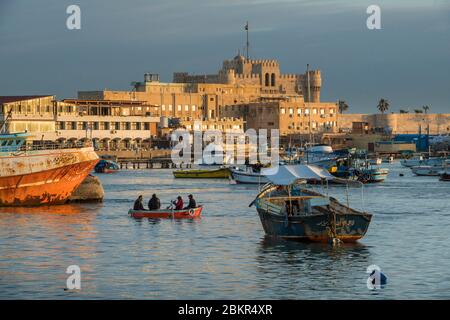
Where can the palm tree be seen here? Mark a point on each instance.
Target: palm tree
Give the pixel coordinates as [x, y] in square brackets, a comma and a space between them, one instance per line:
[418, 111]
[342, 106]
[404, 111]
[426, 108]
[383, 105]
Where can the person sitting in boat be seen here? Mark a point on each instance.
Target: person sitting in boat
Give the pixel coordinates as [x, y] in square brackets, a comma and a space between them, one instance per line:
[179, 203]
[154, 203]
[192, 204]
[138, 204]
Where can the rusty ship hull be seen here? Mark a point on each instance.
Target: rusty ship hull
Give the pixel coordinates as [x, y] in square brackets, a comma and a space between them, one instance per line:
[43, 177]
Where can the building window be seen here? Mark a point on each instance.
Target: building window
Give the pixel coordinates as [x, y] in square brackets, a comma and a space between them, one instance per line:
[322, 111]
[272, 80]
[193, 107]
[267, 80]
[291, 111]
[179, 107]
[306, 111]
[331, 111]
[170, 107]
[146, 126]
[314, 111]
[163, 107]
[283, 111]
[299, 111]
[186, 108]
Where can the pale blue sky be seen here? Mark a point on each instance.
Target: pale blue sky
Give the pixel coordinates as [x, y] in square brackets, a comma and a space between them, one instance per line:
[407, 62]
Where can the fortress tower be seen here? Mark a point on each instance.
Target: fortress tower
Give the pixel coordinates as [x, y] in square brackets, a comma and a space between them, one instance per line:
[315, 85]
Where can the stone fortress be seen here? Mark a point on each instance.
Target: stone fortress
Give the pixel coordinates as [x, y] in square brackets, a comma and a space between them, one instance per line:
[262, 73]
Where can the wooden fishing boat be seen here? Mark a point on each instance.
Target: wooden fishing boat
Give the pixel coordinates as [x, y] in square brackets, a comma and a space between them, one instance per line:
[372, 175]
[167, 213]
[221, 173]
[289, 211]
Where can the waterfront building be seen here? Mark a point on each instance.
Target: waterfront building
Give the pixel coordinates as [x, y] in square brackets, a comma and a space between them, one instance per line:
[111, 125]
[32, 114]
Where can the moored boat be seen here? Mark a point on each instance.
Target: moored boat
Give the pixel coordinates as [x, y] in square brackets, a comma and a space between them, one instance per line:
[427, 170]
[372, 175]
[288, 211]
[168, 213]
[248, 176]
[106, 166]
[44, 174]
[221, 173]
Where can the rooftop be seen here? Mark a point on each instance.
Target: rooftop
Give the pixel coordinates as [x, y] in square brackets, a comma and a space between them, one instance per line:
[8, 99]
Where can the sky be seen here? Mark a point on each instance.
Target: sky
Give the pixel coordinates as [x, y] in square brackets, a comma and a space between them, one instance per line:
[406, 62]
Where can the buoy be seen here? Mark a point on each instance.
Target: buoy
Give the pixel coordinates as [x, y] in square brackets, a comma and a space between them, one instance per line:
[401, 174]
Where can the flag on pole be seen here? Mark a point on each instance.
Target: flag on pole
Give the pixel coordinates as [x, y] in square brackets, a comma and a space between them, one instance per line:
[246, 26]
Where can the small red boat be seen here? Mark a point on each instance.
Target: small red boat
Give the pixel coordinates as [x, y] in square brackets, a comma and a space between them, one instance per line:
[168, 213]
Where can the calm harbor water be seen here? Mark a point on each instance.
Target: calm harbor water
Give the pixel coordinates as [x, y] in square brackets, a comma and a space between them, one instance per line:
[224, 255]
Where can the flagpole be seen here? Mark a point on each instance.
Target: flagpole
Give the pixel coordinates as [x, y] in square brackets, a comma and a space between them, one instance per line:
[248, 44]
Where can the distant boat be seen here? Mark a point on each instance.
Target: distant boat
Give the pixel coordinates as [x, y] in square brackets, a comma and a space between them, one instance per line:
[375, 161]
[444, 176]
[389, 159]
[106, 166]
[319, 148]
[221, 173]
[427, 170]
[371, 175]
[433, 161]
[431, 170]
[288, 211]
[248, 176]
[167, 213]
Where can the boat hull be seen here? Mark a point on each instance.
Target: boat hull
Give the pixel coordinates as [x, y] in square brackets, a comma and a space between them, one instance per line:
[44, 177]
[202, 174]
[427, 171]
[168, 214]
[248, 178]
[316, 227]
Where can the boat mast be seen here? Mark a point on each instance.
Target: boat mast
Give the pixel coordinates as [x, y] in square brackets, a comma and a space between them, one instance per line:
[309, 101]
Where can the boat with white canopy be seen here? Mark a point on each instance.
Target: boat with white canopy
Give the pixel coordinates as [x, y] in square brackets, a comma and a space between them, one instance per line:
[288, 210]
